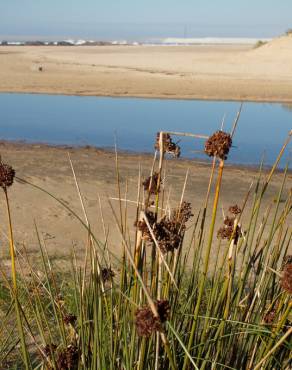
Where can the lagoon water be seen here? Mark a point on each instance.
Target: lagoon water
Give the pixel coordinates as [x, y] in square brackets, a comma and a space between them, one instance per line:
[74, 120]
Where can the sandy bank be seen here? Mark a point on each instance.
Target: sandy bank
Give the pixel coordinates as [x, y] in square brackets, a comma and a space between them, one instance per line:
[48, 167]
[231, 72]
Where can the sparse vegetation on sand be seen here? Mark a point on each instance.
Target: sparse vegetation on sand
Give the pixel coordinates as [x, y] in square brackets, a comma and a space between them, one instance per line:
[160, 306]
[260, 43]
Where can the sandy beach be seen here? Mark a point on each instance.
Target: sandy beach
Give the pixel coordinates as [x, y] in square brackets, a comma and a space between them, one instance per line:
[228, 72]
[49, 167]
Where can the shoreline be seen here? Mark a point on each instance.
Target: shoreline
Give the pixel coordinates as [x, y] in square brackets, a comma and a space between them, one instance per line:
[154, 97]
[18, 144]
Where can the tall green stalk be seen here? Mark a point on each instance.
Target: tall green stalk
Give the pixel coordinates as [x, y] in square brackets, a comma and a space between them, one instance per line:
[15, 288]
[206, 263]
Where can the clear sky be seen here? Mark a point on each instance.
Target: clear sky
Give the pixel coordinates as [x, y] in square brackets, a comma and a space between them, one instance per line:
[140, 19]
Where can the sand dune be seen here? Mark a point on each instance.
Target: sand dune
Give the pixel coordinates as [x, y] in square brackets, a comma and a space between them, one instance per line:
[235, 72]
[282, 46]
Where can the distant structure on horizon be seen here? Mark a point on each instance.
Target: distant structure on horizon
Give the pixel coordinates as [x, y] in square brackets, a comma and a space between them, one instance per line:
[155, 41]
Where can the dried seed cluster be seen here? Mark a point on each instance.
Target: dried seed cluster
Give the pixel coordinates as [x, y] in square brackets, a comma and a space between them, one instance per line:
[50, 349]
[163, 309]
[270, 316]
[68, 358]
[286, 280]
[7, 175]
[151, 183]
[183, 213]
[286, 260]
[70, 319]
[168, 145]
[227, 230]
[147, 323]
[235, 210]
[168, 234]
[142, 226]
[169, 231]
[107, 274]
[218, 145]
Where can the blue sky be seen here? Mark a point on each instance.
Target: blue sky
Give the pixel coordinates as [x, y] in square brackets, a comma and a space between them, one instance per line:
[140, 19]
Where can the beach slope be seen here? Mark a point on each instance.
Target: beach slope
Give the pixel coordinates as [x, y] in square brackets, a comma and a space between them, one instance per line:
[229, 72]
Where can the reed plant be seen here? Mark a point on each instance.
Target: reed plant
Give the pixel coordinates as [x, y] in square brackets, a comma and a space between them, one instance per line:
[161, 305]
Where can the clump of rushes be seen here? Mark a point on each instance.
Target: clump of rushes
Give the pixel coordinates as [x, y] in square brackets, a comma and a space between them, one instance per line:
[215, 319]
[218, 145]
[235, 210]
[151, 183]
[286, 279]
[7, 175]
[107, 274]
[147, 323]
[227, 230]
[168, 145]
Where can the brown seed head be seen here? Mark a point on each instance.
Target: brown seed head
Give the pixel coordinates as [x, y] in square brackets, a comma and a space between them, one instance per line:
[70, 319]
[142, 226]
[68, 358]
[7, 175]
[183, 214]
[218, 145]
[226, 231]
[49, 349]
[168, 231]
[163, 309]
[107, 274]
[286, 280]
[235, 210]
[229, 221]
[270, 316]
[151, 183]
[147, 323]
[287, 259]
[167, 234]
[168, 145]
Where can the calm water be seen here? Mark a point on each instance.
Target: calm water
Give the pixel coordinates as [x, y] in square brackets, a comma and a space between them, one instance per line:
[95, 121]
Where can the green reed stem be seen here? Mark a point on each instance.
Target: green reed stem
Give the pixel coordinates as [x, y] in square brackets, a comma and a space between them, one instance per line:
[15, 289]
[206, 264]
